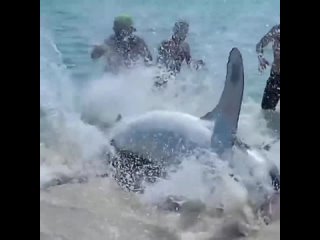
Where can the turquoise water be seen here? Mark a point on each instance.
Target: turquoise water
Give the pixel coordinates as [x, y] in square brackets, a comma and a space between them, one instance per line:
[215, 27]
[70, 80]
[72, 85]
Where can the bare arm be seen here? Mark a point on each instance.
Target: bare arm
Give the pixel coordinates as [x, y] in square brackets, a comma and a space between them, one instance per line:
[162, 52]
[144, 51]
[196, 64]
[187, 54]
[266, 39]
[98, 51]
[271, 36]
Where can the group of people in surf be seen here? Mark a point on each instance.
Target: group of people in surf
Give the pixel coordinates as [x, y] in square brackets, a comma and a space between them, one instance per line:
[123, 49]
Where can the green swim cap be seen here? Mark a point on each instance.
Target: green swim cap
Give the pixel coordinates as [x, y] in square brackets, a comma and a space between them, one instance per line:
[123, 22]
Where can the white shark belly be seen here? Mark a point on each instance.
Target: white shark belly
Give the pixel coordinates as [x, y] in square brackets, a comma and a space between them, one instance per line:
[163, 135]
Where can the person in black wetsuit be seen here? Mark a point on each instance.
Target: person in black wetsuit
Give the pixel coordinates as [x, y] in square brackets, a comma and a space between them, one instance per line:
[173, 52]
[123, 48]
[271, 94]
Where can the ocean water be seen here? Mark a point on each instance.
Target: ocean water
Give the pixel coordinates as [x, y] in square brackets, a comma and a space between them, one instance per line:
[72, 86]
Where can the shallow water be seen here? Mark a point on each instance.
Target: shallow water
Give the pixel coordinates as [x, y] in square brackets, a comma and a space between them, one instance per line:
[72, 85]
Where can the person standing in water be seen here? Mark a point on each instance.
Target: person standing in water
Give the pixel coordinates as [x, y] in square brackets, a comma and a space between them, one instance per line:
[271, 95]
[173, 52]
[123, 48]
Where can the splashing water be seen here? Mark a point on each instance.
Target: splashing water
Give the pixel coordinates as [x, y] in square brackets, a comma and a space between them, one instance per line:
[74, 91]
